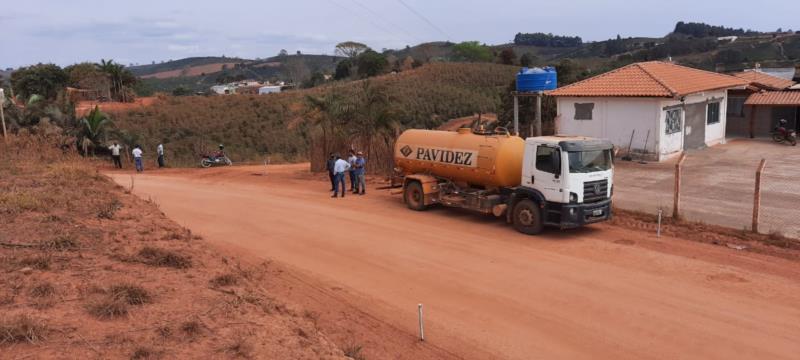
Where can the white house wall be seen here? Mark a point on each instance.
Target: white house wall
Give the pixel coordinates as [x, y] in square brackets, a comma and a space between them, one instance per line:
[715, 133]
[613, 119]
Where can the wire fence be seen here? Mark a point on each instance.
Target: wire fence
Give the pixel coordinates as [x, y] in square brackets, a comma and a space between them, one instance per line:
[743, 194]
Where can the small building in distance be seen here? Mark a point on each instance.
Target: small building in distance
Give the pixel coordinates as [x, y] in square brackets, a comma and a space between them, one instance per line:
[657, 108]
[756, 110]
[269, 89]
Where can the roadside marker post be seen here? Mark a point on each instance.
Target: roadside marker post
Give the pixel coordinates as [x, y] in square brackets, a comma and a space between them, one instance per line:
[757, 195]
[658, 231]
[421, 326]
[2, 115]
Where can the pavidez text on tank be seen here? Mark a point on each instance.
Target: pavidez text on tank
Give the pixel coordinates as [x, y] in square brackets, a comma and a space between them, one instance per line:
[562, 181]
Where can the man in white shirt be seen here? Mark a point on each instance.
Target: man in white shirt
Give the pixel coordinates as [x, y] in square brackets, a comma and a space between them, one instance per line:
[160, 152]
[115, 155]
[352, 161]
[137, 158]
[339, 168]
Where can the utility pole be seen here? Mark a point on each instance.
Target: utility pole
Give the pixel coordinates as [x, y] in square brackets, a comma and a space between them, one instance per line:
[2, 115]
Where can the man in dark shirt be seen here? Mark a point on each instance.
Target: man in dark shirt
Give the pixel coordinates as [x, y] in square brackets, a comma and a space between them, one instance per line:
[329, 166]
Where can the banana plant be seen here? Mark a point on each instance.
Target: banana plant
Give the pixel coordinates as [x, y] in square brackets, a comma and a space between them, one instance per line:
[92, 128]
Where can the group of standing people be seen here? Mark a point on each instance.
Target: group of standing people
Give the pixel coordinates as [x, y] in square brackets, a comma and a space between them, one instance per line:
[354, 165]
[137, 156]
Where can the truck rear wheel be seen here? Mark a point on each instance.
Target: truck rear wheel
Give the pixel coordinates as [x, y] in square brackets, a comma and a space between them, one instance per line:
[527, 217]
[414, 197]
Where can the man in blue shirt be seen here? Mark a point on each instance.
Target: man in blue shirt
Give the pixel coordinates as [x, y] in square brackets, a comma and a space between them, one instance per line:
[360, 171]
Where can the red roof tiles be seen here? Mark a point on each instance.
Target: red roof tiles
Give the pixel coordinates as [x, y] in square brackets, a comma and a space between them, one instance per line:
[650, 79]
[765, 80]
[775, 98]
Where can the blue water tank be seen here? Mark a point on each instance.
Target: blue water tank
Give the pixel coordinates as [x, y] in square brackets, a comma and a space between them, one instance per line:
[536, 79]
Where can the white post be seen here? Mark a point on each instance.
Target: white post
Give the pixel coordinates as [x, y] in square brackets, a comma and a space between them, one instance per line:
[421, 327]
[516, 115]
[2, 115]
[658, 231]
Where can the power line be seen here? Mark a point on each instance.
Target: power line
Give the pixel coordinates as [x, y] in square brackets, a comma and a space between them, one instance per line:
[349, 11]
[424, 19]
[376, 14]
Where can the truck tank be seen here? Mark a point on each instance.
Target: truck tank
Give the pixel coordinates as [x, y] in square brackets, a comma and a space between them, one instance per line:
[493, 160]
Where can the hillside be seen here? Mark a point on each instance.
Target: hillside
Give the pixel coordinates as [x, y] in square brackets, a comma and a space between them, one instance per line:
[198, 74]
[283, 126]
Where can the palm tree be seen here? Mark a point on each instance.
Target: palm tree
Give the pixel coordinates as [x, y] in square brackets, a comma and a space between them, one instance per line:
[92, 127]
[120, 78]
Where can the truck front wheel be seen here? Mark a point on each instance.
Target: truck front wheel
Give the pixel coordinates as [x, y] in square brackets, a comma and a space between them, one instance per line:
[527, 217]
[414, 197]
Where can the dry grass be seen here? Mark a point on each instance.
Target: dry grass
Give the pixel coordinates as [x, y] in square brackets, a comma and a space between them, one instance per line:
[165, 258]
[107, 308]
[224, 280]
[143, 353]
[115, 301]
[38, 262]
[354, 351]
[108, 210]
[239, 348]
[60, 243]
[130, 293]
[22, 328]
[42, 290]
[192, 328]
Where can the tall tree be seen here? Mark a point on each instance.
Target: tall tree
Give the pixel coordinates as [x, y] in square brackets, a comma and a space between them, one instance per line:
[371, 63]
[507, 56]
[46, 80]
[471, 51]
[350, 49]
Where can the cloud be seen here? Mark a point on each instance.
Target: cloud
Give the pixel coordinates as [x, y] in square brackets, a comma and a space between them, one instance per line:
[184, 48]
[134, 30]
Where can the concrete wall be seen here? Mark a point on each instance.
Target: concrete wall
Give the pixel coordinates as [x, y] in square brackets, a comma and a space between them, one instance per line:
[613, 119]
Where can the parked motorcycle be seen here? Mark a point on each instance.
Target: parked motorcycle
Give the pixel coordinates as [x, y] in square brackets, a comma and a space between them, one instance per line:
[781, 134]
[207, 161]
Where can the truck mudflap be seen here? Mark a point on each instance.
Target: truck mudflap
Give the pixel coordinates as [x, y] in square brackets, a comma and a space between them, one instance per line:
[567, 216]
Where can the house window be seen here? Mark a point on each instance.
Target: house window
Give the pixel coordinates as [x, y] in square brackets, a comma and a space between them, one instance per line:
[544, 159]
[673, 120]
[736, 106]
[712, 113]
[584, 111]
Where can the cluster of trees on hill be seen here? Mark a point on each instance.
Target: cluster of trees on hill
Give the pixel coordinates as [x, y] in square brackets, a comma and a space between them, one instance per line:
[704, 30]
[108, 78]
[547, 40]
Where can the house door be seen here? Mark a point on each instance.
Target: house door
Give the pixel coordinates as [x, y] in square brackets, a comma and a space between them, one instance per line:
[694, 130]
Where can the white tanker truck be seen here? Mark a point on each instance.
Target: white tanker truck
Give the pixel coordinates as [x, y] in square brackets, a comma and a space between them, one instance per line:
[563, 181]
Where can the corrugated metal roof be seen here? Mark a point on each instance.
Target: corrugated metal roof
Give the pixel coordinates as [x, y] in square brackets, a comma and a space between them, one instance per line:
[650, 79]
[775, 98]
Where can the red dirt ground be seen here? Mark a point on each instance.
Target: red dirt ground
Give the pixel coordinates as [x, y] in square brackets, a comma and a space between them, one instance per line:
[604, 291]
[84, 107]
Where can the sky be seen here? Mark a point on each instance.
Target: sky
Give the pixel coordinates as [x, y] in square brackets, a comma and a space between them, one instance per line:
[142, 31]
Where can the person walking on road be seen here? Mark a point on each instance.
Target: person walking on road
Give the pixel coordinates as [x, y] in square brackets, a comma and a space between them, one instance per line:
[329, 166]
[352, 172]
[360, 171]
[339, 168]
[160, 152]
[115, 157]
[137, 158]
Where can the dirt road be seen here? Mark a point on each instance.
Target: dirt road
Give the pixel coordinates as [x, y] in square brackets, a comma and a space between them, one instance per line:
[598, 292]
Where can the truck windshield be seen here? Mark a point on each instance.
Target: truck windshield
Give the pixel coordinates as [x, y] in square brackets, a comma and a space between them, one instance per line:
[589, 161]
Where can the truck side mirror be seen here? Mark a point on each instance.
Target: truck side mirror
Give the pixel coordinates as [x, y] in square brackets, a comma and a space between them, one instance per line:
[555, 160]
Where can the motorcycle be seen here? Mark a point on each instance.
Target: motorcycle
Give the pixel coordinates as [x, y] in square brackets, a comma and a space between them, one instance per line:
[207, 161]
[781, 134]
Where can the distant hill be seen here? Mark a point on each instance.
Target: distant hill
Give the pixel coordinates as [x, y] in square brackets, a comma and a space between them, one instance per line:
[198, 74]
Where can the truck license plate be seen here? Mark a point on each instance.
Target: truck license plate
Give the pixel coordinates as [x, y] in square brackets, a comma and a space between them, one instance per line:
[597, 212]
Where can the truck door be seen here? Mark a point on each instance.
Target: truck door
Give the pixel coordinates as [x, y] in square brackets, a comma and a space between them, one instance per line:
[546, 172]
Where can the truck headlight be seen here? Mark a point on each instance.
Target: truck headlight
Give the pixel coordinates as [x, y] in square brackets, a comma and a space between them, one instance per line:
[573, 197]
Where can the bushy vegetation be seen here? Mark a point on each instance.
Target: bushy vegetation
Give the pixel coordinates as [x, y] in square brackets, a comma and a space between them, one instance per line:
[287, 126]
[547, 40]
[703, 30]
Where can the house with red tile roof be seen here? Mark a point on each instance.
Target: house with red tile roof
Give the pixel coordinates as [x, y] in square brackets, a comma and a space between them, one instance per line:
[658, 108]
[756, 110]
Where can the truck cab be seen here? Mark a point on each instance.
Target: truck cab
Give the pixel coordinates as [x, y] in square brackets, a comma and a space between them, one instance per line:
[567, 181]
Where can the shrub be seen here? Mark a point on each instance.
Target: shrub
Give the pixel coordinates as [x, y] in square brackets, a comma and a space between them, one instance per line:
[160, 257]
